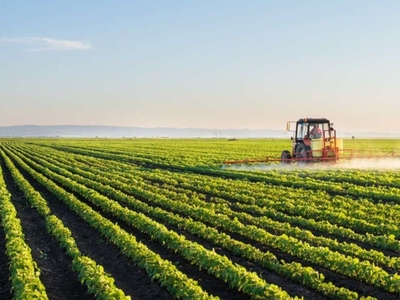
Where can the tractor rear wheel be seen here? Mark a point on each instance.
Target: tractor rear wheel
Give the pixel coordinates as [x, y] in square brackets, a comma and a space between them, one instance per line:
[286, 157]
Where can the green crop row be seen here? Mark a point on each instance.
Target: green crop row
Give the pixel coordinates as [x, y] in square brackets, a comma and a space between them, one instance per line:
[349, 266]
[25, 273]
[247, 196]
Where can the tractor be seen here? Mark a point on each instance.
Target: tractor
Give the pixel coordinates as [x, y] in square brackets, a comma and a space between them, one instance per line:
[314, 140]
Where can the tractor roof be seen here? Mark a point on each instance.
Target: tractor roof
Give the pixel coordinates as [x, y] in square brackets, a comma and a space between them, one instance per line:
[313, 120]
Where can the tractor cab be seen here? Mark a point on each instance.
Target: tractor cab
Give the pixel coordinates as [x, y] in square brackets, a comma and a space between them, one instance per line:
[312, 129]
[312, 139]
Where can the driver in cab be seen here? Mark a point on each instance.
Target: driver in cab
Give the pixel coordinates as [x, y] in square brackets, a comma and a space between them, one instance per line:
[316, 132]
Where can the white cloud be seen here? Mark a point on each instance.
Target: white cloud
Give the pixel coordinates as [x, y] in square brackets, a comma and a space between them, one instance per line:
[47, 44]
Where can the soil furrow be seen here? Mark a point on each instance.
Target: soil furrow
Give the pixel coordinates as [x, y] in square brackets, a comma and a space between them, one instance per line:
[55, 265]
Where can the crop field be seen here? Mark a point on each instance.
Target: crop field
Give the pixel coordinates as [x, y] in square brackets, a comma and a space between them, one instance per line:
[163, 219]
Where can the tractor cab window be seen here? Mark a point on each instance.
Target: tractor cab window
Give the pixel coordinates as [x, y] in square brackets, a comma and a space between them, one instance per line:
[301, 130]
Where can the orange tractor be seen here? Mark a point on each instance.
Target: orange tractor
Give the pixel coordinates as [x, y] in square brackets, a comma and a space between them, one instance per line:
[314, 140]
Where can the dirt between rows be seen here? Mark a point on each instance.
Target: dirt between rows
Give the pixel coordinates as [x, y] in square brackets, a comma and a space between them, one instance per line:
[5, 284]
[55, 265]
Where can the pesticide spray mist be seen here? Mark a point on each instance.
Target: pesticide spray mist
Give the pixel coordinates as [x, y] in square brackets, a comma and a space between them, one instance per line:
[353, 164]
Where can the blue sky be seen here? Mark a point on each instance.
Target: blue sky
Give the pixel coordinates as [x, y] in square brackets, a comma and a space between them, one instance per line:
[208, 64]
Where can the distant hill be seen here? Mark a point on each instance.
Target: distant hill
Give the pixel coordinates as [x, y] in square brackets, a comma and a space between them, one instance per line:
[77, 131]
